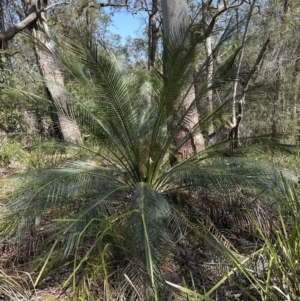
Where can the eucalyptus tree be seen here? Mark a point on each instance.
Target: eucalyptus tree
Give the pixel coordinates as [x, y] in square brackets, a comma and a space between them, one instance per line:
[176, 20]
[154, 28]
[32, 16]
[212, 15]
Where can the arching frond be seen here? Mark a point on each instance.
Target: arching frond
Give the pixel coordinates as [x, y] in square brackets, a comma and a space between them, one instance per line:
[220, 175]
[131, 207]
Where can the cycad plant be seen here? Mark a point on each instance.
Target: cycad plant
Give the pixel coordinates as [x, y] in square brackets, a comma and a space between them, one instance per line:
[114, 224]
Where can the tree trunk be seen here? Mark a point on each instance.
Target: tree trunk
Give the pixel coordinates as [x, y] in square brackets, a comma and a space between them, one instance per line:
[65, 128]
[294, 115]
[209, 67]
[238, 105]
[175, 17]
[278, 99]
[152, 35]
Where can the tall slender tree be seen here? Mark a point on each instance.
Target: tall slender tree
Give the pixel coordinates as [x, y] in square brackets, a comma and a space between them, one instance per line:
[35, 20]
[33, 17]
[65, 128]
[175, 26]
[152, 34]
[210, 64]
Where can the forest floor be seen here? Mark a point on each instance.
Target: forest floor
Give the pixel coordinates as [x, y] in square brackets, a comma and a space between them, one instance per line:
[191, 262]
[51, 288]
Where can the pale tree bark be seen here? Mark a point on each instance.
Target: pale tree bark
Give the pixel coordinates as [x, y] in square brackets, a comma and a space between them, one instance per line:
[211, 11]
[278, 99]
[175, 17]
[35, 20]
[208, 106]
[237, 105]
[234, 129]
[64, 127]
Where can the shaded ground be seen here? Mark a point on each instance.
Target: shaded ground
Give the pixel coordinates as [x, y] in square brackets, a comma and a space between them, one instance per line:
[192, 263]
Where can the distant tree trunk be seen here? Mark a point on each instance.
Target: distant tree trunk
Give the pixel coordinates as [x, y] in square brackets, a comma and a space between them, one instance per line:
[209, 19]
[2, 24]
[209, 66]
[294, 115]
[65, 128]
[238, 105]
[152, 35]
[3, 130]
[175, 17]
[278, 99]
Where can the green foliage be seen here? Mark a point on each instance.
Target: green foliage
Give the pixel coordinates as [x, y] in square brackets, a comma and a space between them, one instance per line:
[35, 153]
[279, 278]
[10, 117]
[9, 151]
[272, 271]
[127, 209]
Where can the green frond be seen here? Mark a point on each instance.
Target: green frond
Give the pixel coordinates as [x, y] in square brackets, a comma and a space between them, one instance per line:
[40, 191]
[220, 175]
[92, 215]
[149, 231]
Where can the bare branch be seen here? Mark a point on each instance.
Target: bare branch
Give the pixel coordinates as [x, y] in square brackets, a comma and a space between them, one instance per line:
[225, 4]
[55, 4]
[259, 11]
[257, 62]
[220, 11]
[16, 28]
[13, 30]
[98, 5]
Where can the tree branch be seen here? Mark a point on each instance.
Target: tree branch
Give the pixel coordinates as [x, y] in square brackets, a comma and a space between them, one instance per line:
[9, 34]
[55, 4]
[257, 62]
[220, 11]
[98, 5]
[13, 30]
